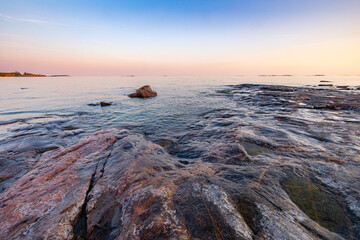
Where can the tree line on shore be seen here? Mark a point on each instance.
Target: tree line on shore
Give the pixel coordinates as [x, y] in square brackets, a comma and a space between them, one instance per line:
[18, 74]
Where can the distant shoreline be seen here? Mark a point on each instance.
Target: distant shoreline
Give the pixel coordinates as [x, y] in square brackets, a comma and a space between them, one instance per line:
[26, 74]
[59, 75]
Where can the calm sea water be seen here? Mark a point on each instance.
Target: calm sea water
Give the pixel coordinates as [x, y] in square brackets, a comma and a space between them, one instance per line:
[34, 102]
[29, 97]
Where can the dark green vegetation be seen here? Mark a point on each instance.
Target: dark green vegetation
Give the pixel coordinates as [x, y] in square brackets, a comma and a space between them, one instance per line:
[319, 205]
[10, 74]
[18, 74]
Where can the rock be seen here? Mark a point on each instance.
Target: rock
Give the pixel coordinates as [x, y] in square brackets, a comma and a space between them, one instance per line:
[144, 92]
[343, 87]
[234, 154]
[171, 146]
[324, 81]
[104, 104]
[316, 203]
[276, 88]
[116, 185]
[314, 98]
[20, 154]
[93, 104]
[45, 202]
[325, 85]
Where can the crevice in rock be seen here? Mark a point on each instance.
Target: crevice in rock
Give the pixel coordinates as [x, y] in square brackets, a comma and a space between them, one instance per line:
[111, 148]
[80, 227]
[247, 209]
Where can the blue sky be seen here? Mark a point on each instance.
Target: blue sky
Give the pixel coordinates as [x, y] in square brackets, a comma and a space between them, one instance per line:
[180, 37]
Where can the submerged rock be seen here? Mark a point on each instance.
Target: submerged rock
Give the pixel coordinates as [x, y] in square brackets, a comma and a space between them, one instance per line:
[102, 104]
[93, 104]
[144, 92]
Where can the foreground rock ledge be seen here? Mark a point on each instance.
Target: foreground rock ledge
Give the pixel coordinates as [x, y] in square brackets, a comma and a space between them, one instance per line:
[116, 185]
[144, 92]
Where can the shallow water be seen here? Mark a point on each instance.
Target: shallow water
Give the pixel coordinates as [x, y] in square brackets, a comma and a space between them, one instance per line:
[62, 107]
[179, 99]
[25, 97]
[248, 127]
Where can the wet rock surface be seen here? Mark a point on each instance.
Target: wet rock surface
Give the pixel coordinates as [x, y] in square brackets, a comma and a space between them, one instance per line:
[316, 203]
[45, 202]
[273, 162]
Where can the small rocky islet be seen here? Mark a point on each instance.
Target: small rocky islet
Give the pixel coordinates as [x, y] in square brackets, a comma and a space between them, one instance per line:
[279, 163]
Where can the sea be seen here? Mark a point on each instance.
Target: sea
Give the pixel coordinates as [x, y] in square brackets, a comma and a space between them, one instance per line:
[40, 101]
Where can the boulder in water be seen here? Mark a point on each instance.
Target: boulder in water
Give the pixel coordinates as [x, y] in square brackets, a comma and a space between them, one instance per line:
[343, 87]
[105, 104]
[144, 92]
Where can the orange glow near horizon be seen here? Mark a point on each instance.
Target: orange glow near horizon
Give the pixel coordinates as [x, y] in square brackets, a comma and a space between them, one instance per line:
[219, 43]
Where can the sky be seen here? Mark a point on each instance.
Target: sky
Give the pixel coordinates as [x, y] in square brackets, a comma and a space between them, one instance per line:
[180, 37]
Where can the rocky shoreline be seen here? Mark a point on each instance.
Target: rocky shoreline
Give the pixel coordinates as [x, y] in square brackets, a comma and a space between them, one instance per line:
[116, 185]
[280, 163]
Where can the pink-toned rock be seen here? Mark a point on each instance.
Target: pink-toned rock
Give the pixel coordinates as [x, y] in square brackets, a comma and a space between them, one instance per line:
[117, 185]
[133, 200]
[45, 202]
[79, 191]
[144, 92]
[113, 185]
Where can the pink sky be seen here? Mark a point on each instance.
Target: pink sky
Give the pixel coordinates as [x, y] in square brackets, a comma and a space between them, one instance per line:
[224, 39]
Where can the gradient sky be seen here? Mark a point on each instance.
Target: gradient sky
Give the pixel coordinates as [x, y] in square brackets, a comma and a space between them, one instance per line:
[182, 37]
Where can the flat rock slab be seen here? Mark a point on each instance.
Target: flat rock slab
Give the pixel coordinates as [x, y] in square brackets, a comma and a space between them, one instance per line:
[117, 185]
